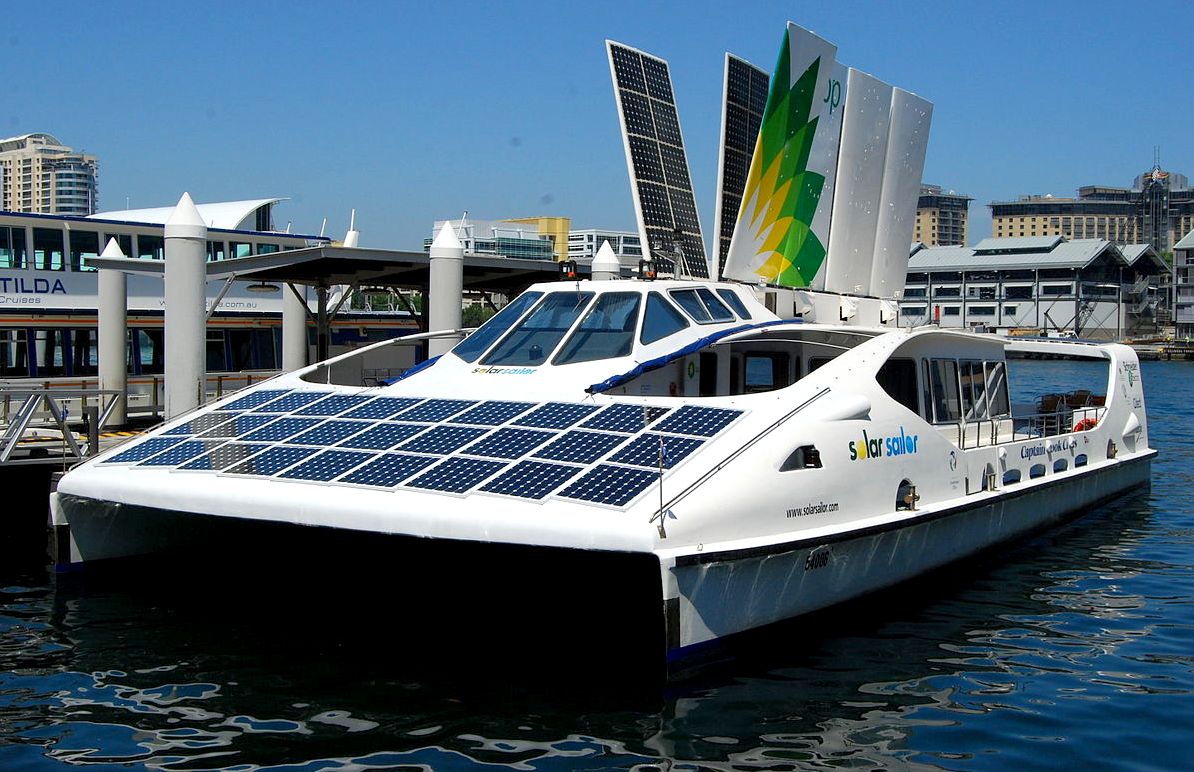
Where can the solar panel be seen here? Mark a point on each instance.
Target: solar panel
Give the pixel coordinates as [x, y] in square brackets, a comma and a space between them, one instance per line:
[389, 470]
[329, 433]
[456, 475]
[581, 447]
[531, 479]
[625, 418]
[556, 415]
[383, 436]
[645, 451]
[493, 413]
[327, 465]
[509, 442]
[441, 440]
[333, 405]
[435, 409]
[271, 461]
[254, 399]
[382, 407]
[292, 401]
[200, 423]
[743, 102]
[240, 425]
[614, 485]
[223, 456]
[143, 450]
[655, 154]
[701, 421]
[181, 453]
[278, 430]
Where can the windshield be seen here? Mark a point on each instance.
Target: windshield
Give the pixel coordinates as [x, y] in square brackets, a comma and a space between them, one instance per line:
[536, 336]
[606, 331]
[702, 305]
[474, 345]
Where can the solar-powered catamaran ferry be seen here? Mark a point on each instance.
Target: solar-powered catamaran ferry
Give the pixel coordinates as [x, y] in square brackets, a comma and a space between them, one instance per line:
[720, 455]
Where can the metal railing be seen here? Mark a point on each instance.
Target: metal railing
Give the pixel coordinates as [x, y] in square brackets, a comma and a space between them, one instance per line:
[1028, 426]
[29, 409]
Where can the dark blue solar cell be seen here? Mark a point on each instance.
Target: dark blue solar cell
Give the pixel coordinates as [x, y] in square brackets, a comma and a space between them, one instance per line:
[456, 475]
[383, 436]
[281, 429]
[442, 440]
[556, 415]
[389, 470]
[531, 479]
[614, 485]
[253, 399]
[200, 424]
[329, 433]
[292, 401]
[327, 465]
[143, 450]
[645, 450]
[271, 461]
[701, 421]
[382, 407]
[435, 409]
[581, 447]
[240, 425]
[625, 418]
[224, 456]
[493, 413]
[181, 453]
[509, 442]
[333, 405]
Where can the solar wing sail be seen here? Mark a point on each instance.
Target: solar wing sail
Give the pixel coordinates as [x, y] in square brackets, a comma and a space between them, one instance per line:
[743, 98]
[661, 183]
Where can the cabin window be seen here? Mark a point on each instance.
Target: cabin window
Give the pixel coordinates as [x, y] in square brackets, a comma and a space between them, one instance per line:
[475, 344]
[606, 331]
[14, 354]
[123, 240]
[1011, 476]
[150, 356]
[1079, 460]
[1060, 465]
[999, 403]
[702, 305]
[947, 406]
[974, 398]
[151, 247]
[765, 371]
[47, 249]
[815, 363]
[1037, 470]
[49, 347]
[12, 247]
[267, 249]
[84, 351]
[83, 244]
[708, 374]
[239, 249]
[215, 251]
[533, 339]
[897, 377]
[216, 361]
[735, 302]
[661, 319]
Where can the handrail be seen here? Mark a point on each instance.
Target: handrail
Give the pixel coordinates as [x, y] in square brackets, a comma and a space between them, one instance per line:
[1025, 426]
[53, 399]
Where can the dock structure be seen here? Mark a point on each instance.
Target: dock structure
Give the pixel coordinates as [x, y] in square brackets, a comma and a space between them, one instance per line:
[36, 425]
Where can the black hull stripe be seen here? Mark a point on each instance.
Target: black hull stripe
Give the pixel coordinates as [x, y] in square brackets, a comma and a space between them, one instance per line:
[701, 558]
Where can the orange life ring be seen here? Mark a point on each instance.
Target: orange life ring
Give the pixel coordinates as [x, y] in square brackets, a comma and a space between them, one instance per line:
[1085, 424]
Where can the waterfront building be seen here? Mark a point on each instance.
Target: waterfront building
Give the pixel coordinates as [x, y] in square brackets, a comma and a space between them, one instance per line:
[1090, 288]
[584, 243]
[39, 174]
[1183, 286]
[507, 238]
[1158, 209]
[556, 229]
[941, 217]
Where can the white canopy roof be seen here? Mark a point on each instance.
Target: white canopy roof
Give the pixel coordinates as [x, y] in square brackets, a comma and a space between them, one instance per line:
[229, 215]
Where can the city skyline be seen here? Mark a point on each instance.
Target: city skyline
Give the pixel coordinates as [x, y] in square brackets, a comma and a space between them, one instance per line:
[410, 114]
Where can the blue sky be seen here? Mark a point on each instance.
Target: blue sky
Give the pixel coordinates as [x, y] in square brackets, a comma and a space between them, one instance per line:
[412, 111]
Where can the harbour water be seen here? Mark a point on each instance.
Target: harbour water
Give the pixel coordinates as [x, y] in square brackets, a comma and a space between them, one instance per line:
[1075, 648]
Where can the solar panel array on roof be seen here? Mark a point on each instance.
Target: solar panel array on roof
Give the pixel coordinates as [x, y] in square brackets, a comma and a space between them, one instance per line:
[253, 399]
[743, 102]
[456, 446]
[655, 154]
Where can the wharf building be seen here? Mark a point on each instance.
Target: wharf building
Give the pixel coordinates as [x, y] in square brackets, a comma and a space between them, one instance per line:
[38, 174]
[1158, 209]
[941, 217]
[520, 237]
[1088, 288]
[584, 243]
[1183, 286]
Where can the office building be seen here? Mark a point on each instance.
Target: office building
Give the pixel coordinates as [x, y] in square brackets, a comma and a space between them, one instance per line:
[583, 245]
[1158, 209]
[1183, 286]
[40, 175]
[941, 217]
[508, 238]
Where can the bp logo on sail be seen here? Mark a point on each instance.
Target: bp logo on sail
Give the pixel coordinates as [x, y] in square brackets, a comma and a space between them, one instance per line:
[878, 447]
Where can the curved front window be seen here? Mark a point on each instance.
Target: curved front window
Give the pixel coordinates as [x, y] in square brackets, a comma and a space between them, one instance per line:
[483, 337]
[607, 331]
[534, 338]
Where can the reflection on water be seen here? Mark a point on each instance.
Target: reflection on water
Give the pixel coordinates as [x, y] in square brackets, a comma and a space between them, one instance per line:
[1074, 649]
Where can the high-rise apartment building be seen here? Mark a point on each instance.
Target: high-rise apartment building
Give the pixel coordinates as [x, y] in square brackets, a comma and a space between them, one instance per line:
[1158, 209]
[941, 217]
[39, 174]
